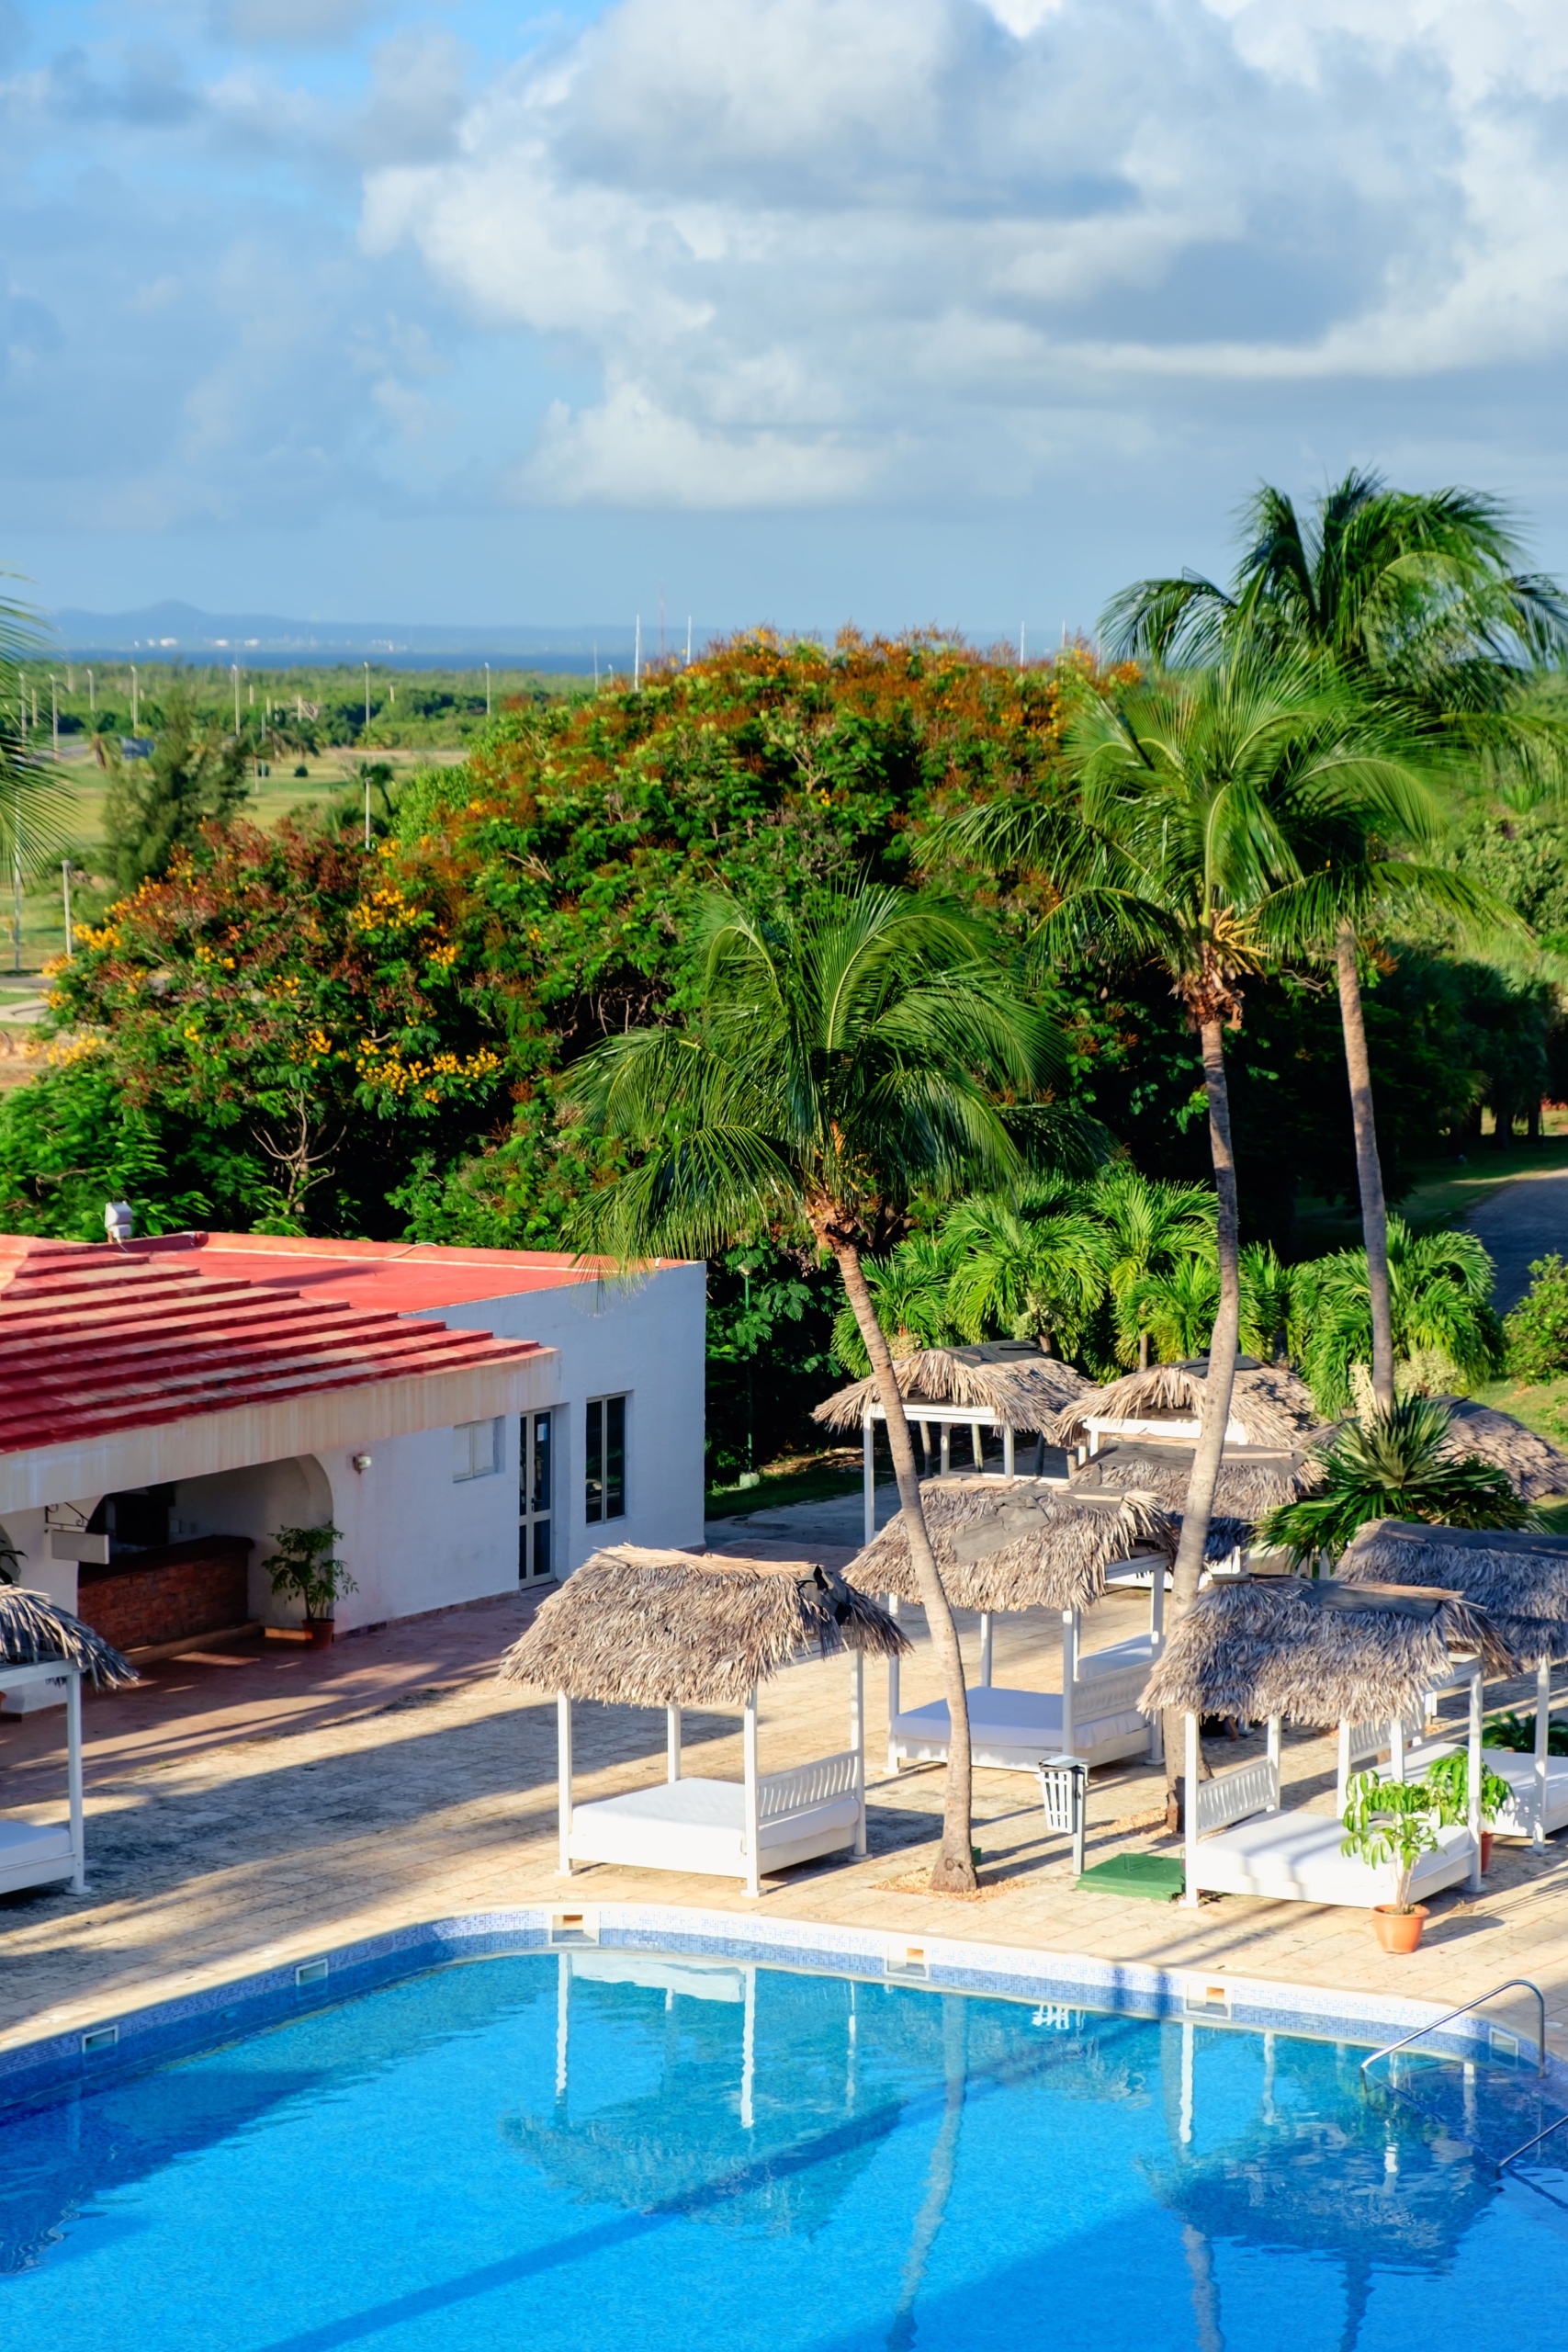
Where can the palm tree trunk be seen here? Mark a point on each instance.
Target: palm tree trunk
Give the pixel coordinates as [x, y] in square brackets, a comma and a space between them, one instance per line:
[1369, 1169]
[954, 1869]
[1199, 1507]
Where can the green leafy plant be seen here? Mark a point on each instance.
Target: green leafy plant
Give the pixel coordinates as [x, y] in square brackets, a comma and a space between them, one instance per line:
[1449, 1777]
[1390, 1821]
[1535, 1332]
[1516, 1733]
[1440, 1289]
[1392, 1465]
[305, 1566]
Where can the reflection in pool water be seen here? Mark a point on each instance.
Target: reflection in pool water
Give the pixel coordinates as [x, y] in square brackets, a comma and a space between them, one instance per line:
[597, 2148]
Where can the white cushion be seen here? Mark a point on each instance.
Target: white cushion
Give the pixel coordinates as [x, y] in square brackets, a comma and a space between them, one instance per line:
[1296, 1855]
[1024, 1719]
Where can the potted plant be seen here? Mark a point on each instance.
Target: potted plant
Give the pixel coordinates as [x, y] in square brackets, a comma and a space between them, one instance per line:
[1392, 1821]
[304, 1566]
[1450, 1775]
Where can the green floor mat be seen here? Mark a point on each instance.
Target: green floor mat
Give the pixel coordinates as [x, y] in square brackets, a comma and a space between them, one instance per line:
[1156, 1877]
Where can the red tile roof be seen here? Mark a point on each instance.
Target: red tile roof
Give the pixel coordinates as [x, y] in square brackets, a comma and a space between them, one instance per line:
[408, 1277]
[94, 1339]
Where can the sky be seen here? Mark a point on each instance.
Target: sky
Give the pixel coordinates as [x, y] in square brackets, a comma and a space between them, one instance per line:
[960, 313]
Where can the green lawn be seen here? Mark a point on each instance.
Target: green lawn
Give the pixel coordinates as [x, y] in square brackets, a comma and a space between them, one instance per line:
[1445, 1190]
[794, 1481]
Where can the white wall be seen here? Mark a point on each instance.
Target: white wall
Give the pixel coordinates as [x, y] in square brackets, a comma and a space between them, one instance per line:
[416, 1538]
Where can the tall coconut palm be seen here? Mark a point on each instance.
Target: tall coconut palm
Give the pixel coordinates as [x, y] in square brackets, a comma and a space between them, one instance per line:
[908, 1289]
[1422, 601]
[1176, 850]
[837, 1059]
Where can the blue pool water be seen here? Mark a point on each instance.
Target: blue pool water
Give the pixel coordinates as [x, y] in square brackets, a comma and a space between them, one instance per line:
[597, 2149]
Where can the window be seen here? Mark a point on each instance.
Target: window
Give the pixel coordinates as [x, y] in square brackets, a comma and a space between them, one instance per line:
[537, 1470]
[476, 1449]
[606, 1458]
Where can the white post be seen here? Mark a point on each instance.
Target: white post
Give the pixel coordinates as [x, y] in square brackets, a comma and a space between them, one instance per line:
[749, 1742]
[74, 1771]
[1157, 1606]
[978, 1452]
[1069, 1676]
[984, 1649]
[1274, 1757]
[895, 1681]
[1396, 1748]
[946, 1427]
[749, 2051]
[672, 1742]
[1474, 1779]
[857, 1742]
[868, 1437]
[1007, 1454]
[1189, 1812]
[1542, 1734]
[563, 1778]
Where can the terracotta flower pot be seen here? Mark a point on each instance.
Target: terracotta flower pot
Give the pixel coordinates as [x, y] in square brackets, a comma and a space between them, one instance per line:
[321, 1631]
[1485, 1852]
[1398, 1931]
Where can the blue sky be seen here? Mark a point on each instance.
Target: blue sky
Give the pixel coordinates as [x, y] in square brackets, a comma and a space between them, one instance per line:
[899, 310]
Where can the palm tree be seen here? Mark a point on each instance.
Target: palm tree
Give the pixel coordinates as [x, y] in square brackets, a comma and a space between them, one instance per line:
[1029, 1267]
[33, 803]
[1420, 599]
[909, 1291]
[839, 1059]
[1440, 1307]
[1147, 1226]
[1393, 1465]
[1173, 1306]
[1177, 848]
[1267, 1295]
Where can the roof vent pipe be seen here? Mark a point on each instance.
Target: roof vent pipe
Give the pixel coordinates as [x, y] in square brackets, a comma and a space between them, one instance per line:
[119, 1221]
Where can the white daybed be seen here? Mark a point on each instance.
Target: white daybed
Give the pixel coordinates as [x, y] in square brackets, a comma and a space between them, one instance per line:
[32, 1855]
[1268, 1648]
[1095, 1715]
[676, 1630]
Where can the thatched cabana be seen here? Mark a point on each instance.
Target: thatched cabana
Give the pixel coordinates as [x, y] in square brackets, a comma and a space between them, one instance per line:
[45, 1652]
[1012, 1544]
[1279, 1649]
[1271, 1406]
[643, 1628]
[1534, 1468]
[1253, 1479]
[1520, 1579]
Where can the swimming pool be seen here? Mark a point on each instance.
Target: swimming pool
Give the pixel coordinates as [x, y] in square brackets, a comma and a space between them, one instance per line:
[608, 2147]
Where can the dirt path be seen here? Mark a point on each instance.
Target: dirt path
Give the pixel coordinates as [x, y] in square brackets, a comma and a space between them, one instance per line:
[1528, 1219]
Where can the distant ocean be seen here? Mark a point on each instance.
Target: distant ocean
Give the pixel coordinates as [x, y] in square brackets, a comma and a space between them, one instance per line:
[178, 632]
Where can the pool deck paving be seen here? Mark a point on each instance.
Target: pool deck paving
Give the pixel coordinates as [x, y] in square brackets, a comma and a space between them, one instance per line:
[267, 1804]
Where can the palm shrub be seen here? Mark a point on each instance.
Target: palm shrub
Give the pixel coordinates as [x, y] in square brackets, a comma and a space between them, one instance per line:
[1535, 1332]
[1030, 1268]
[1146, 1225]
[839, 1059]
[1441, 1294]
[1392, 1465]
[1171, 1309]
[908, 1289]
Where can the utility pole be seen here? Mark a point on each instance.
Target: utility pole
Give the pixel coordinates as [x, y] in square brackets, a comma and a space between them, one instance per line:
[65, 886]
[487, 689]
[368, 731]
[234, 669]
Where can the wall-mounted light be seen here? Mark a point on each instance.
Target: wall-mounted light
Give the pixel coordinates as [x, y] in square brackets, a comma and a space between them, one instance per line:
[361, 1461]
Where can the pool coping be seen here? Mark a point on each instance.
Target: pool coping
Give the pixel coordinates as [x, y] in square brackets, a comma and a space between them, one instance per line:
[59, 2065]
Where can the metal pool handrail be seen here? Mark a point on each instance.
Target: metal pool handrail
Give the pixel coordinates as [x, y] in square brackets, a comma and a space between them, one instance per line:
[1520, 1983]
[1533, 2143]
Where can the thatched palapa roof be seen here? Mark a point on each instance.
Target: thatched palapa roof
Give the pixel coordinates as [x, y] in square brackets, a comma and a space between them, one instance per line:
[679, 1629]
[1022, 1388]
[1534, 1468]
[34, 1630]
[1013, 1543]
[1270, 1404]
[1317, 1652]
[1520, 1579]
[1252, 1479]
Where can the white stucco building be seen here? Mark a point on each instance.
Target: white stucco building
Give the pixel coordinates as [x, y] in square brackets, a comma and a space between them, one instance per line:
[466, 1417]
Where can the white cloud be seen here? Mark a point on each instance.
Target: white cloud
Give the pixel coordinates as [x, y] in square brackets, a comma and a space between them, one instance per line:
[823, 248]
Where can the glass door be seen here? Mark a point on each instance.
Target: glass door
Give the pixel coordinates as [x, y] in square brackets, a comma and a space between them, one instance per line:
[536, 1465]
